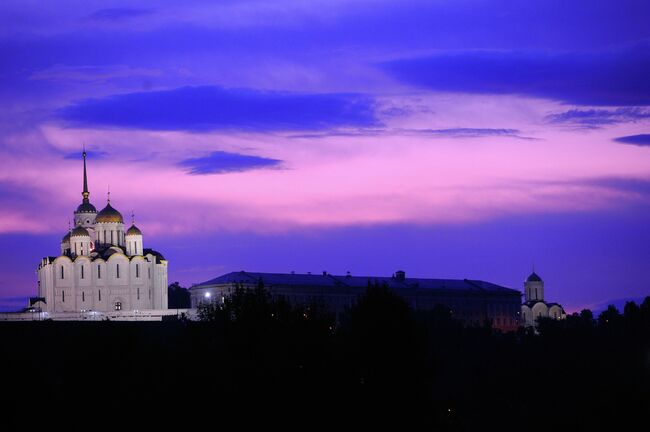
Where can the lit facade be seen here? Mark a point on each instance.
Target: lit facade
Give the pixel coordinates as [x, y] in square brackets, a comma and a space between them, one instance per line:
[534, 306]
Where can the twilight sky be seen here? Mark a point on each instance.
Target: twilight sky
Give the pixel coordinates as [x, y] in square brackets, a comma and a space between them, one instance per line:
[452, 139]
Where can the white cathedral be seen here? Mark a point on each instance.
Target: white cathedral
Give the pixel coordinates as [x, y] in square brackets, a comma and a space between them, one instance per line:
[102, 268]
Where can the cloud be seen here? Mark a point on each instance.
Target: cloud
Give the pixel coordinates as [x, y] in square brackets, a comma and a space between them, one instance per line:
[221, 162]
[208, 108]
[640, 140]
[612, 78]
[439, 133]
[599, 117]
[92, 73]
[639, 187]
[118, 14]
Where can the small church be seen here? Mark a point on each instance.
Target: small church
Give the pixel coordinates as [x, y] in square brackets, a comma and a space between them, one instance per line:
[534, 306]
[102, 267]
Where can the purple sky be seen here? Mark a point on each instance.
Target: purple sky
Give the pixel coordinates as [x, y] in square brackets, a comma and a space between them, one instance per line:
[445, 138]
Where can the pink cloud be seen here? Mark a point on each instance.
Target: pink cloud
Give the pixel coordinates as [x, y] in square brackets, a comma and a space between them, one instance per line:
[337, 180]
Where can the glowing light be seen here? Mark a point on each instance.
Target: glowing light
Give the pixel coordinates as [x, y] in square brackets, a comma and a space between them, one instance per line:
[207, 295]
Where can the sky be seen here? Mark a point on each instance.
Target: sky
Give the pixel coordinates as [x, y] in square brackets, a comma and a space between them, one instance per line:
[449, 139]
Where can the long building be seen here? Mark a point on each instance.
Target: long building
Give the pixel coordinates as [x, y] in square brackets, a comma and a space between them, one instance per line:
[472, 301]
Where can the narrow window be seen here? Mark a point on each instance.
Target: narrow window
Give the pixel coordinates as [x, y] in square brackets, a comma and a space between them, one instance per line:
[99, 271]
[118, 306]
[138, 293]
[118, 270]
[82, 272]
[137, 270]
[63, 296]
[112, 237]
[149, 293]
[62, 276]
[100, 295]
[149, 272]
[83, 296]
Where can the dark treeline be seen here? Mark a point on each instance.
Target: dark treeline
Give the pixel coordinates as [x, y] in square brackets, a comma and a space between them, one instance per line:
[263, 362]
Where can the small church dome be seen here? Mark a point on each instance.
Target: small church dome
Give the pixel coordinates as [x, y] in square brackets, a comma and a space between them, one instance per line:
[66, 238]
[534, 277]
[109, 214]
[133, 230]
[79, 232]
[86, 207]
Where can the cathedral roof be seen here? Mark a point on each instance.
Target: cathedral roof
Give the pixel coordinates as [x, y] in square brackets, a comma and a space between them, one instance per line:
[133, 230]
[159, 257]
[534, 277]
[109, 214]
[79, 231]
[66, 238]
[86, 207]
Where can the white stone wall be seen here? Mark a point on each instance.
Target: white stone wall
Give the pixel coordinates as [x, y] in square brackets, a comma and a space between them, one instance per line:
[534, 290]
[137, 283]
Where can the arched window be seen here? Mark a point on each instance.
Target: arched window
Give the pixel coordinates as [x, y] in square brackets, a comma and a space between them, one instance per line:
[62, 274]
[117, 270]
[118, 305]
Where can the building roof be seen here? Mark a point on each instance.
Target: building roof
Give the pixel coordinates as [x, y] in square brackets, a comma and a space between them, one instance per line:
[66, 238]
[328, 280]
[534, 277]
[159, 257]
[109, 214]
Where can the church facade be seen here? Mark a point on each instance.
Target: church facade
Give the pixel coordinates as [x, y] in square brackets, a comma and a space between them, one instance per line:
[534, 306]
[102, 266]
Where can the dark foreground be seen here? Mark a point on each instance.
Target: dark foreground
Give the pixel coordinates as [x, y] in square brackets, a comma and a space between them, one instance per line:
[261, 363]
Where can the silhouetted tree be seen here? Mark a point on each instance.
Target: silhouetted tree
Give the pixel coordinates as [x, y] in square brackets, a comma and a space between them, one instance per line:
[178, 297]
[611, 317]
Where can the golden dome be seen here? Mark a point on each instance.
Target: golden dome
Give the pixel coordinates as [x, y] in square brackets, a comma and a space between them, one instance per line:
[133, 230]
[108, 214]
[79, 231]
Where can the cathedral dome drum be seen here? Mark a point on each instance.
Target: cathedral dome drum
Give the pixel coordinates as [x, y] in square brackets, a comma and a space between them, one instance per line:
[108, 214]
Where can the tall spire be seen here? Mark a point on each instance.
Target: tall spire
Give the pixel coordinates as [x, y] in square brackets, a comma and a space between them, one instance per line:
[85, 192]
